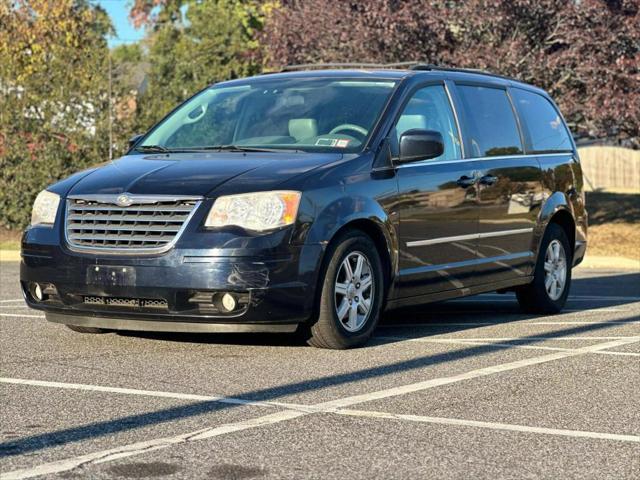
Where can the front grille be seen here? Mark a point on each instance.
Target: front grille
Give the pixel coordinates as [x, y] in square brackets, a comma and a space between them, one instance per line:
[145, 224]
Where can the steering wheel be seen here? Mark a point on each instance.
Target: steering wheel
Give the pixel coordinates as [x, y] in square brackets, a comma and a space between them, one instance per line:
[349, 127]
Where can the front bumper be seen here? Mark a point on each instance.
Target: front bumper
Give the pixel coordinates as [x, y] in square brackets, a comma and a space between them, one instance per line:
[176, 291]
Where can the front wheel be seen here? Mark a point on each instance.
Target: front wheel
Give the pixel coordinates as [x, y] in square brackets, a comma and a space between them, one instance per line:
[552, 277]
[352, 294]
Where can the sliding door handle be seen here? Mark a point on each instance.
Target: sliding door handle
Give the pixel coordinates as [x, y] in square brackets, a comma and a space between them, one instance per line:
[466, 182]
[488, 180]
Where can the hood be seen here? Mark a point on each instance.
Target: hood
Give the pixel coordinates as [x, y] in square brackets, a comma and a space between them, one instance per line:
[198, 174]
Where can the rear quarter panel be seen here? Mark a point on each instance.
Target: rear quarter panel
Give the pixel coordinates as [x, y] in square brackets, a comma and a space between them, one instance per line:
[563, 185]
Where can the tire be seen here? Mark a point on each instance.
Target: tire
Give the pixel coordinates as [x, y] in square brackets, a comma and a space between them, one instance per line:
[548, 293]
[333, 328]
[92, 330]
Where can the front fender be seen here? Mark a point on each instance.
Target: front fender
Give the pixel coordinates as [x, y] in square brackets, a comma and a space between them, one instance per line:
[361, 212]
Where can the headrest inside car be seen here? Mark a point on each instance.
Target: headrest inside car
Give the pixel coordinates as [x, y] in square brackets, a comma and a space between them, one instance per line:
[303, 128]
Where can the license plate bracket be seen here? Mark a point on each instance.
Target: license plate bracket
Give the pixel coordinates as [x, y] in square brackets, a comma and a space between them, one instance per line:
[111, 276]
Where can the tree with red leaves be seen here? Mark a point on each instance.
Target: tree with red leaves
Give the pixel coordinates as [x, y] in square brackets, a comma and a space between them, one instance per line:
[586, 53]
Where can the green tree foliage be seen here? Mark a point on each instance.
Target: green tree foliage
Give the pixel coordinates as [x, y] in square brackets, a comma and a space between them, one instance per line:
[204, 42]
[52, 90]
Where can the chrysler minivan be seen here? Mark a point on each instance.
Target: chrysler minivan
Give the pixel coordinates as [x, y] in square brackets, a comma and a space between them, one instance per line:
[311, 201]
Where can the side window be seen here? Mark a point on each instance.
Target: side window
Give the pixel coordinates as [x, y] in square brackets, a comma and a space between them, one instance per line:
[491, 125]
[546, 132]
[429, 109]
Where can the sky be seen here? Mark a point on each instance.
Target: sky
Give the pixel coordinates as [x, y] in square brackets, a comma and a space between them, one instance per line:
[119, 12]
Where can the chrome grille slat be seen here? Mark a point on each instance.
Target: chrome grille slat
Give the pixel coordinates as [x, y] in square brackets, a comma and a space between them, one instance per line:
[124, 228]
[147, 224]
[141, 238]
[140, 208]
[130, 218]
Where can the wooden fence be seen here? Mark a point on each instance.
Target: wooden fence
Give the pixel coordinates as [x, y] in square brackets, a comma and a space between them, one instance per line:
[611, 168]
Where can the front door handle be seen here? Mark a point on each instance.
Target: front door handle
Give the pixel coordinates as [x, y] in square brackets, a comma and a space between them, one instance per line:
[466, 182]
[488, 180]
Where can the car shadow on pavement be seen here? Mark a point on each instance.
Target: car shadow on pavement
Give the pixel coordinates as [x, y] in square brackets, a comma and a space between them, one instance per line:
[99, 429]
[495, 309]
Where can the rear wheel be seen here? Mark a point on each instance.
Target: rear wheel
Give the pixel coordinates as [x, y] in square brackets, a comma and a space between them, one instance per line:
[94, 330]
[552, 277]
[352, 294]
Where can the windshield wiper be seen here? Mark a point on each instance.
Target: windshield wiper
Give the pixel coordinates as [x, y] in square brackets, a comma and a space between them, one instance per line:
[152, 149]
[241, 148]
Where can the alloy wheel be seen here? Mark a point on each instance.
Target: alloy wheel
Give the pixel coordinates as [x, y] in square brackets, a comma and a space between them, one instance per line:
[555, 270]
[354, 290]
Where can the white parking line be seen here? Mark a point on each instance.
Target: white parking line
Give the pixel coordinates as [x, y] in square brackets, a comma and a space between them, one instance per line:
[147, 446]
[147, 393]
[481, 372]
[497, 296]
[488, 342]
[506, 322]
[324, 407]
[12, 300]
[513, 339]
[490, 425]
[20, 315]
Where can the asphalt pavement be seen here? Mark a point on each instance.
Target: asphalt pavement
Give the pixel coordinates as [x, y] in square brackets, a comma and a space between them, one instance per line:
[470, 388]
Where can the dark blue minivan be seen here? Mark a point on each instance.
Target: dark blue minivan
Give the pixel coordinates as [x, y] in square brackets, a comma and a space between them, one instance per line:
[312, 201]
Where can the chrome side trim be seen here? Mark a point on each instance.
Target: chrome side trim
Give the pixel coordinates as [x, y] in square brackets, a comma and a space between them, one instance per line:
[473, 236]
[476, 159]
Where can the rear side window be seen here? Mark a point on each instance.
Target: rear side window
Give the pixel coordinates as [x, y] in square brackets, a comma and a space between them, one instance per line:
[544, 129]
[491, 125]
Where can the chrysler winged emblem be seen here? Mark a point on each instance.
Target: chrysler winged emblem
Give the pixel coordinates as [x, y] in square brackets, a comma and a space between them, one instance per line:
[124, 200]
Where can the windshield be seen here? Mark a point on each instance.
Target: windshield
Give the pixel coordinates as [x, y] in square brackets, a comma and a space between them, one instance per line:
[335, 115]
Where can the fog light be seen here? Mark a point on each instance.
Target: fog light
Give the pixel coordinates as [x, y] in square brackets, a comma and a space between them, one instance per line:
[37, 292]
[228, 302]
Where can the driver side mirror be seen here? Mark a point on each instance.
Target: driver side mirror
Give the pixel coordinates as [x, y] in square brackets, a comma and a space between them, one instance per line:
[133, 140]
[419, 144]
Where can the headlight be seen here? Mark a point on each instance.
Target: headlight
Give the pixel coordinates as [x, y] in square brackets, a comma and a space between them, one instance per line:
[255, 211]
[45, 208]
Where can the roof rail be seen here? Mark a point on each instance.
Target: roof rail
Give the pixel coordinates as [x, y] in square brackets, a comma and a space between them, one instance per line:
[430, 66]
[412, 65]
[339, 65]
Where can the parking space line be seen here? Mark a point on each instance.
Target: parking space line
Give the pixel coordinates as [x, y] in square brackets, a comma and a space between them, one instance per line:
[148, 393]
[20, 315]
[489, 425]
[486, 342]
[12, 300]
[147, 446]
[594, 310]
[513, 339]
[481, 372]
[497, 296]
[325, 407]
[518, 323]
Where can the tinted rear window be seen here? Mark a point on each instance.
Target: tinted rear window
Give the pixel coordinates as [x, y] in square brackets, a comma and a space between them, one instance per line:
[544, 129]
[491, 124]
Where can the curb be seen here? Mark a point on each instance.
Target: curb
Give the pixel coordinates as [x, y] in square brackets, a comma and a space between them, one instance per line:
[622, 263]
[9, 255]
